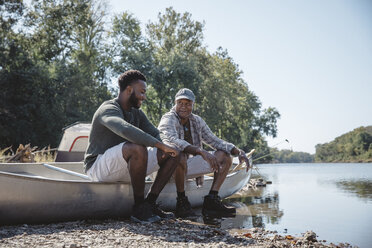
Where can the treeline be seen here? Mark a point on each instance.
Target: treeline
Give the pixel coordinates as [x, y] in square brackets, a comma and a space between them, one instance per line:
[58, 59]
[289, 156]
[354, 146]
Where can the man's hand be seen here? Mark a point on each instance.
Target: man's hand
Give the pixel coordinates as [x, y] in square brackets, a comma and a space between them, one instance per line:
[211, 159]
[243, 158]
[167, 149]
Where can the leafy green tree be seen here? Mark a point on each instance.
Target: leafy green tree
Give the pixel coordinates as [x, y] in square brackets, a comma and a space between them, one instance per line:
[24, 89]
[232, 110]
[168, 55]
[289, 156]
[173, 56]
[354, 146]
[57, 60]
[130, 50]
[70, 40]
[176, 41]
[52, 71]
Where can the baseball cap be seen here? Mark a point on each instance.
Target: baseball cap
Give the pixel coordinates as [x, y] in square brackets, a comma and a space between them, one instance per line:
[185, 93]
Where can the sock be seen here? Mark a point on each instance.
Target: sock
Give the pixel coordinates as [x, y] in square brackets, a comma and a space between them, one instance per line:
[138, 200]
[181, 194]
[213, 193]
[151, 198]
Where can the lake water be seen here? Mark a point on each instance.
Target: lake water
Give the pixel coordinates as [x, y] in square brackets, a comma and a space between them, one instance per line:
[333, 200]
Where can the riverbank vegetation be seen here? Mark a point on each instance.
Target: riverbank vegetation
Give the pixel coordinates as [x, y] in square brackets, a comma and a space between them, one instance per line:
[351, 147]
[289, 156]
[59, 59]
[354, 146]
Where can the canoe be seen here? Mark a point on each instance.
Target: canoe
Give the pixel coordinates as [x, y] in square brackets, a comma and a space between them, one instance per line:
[59, 191]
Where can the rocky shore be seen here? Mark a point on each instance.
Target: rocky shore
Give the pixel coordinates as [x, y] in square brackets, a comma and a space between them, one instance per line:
[167, 233]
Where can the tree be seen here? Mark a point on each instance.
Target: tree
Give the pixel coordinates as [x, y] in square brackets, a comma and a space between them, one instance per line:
[354, 146]
[57, 60]
[69, 38]
[53, 73]
[167, 56]
[232, 110]
[289, 156]
[22, 80]
[172, 56]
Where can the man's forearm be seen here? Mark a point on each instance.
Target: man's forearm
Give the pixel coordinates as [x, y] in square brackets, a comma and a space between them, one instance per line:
[160, 145]
[194, 150]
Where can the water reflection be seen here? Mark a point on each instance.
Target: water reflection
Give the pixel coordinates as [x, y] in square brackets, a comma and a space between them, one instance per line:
[360, 188]
[334, 200]
[255, 208]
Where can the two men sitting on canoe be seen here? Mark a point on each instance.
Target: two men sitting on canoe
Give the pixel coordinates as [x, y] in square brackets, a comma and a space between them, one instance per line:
[125, 146]
[182, 129]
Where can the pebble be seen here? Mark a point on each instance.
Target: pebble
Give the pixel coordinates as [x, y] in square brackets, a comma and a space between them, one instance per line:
[167, 233]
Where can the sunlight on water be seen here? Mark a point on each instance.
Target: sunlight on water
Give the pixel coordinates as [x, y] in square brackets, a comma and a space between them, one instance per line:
[333, 200]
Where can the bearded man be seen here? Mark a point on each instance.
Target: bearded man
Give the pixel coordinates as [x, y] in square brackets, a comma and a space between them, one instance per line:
[124, 146]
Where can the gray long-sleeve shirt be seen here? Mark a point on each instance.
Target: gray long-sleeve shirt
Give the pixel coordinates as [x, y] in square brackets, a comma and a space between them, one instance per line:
[111, 125]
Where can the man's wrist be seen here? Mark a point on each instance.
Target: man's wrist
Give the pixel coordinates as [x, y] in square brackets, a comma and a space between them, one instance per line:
[235, 151]
[198, 151]
[160, 146]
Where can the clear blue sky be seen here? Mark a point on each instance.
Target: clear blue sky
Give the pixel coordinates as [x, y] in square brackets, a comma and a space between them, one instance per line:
[312, 60]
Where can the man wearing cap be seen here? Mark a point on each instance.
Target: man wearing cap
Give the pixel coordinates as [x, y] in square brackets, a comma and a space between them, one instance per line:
[186, 131]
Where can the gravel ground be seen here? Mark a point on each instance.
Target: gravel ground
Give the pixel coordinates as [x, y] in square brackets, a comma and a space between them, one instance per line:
[167, 233]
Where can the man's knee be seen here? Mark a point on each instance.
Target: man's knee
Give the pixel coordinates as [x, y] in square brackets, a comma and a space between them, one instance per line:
[223, 158]
[130, 150]
[180, 160]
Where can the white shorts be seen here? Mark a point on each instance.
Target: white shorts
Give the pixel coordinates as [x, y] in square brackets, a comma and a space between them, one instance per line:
[112, 167]
[197, 166]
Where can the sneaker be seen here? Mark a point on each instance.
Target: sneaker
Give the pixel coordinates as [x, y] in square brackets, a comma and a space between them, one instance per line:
[183, 208]
[161, 213]
[143, 213]
[213, 206]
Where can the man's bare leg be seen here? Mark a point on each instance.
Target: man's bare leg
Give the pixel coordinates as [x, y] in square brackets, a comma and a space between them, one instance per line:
[212, 205]
[136, 156]
[224, 161]
[180, 174]
[183, 207]
[167, 165]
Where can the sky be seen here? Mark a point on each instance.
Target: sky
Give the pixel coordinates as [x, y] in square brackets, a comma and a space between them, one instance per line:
[311, 60]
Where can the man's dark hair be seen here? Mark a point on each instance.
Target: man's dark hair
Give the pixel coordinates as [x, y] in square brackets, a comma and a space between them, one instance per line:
[129, 77]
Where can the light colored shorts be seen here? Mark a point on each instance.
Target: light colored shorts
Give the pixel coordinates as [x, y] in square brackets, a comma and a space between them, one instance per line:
[112, 167]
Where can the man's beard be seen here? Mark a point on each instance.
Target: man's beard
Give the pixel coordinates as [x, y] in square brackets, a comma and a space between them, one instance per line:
[134, 101]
